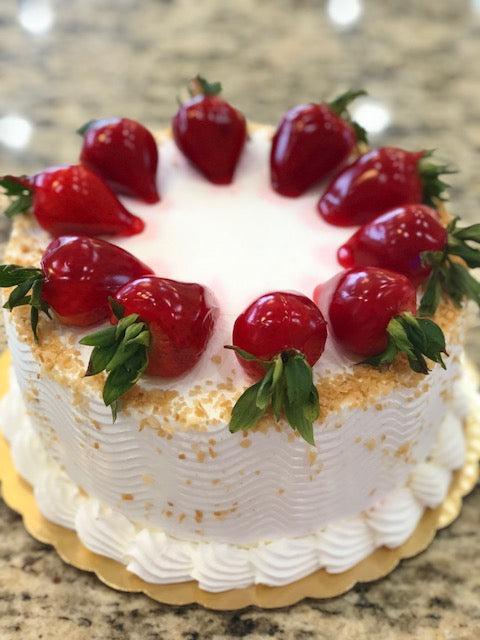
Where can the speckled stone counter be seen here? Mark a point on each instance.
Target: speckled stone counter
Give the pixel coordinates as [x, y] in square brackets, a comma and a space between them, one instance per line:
[419, 63]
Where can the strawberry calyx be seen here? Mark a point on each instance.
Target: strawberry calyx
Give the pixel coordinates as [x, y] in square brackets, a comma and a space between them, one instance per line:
[122, 351]
[200, 86]
[85, 127]
[433, 186]
[416, 338]
[19, 190]
[287, 388]
[339, 106]
[450, 275]
[28, 283]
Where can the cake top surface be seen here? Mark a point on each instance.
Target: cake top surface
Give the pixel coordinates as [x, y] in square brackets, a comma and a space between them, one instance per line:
[242, 239]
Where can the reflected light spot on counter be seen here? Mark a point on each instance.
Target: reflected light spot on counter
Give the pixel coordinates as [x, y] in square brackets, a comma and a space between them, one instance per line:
[344, 13]
[15, 131]
[371, 115]
[36, 16]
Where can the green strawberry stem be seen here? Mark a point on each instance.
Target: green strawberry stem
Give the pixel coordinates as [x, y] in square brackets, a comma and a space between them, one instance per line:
[20, 192]
[200, 86]
[433, 187]
[85, 127]
[416, 338]
[28, 283]
[121, 351]
[450, 275]
[340, 105]
[287, 388]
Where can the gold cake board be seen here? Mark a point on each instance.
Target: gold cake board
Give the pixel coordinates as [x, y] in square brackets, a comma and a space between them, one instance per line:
[18, 495]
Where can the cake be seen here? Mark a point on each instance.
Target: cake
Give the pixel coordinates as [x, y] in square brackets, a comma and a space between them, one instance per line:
[166, 490]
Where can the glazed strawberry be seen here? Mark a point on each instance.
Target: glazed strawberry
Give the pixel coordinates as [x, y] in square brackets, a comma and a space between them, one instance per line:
[124, 153]
[412, 241]
[395, 241]
[280, 336]
[76, 277]
[372, 314]
[71, 200]
[380, 180]
[162, 328]
[276, 322]
[311, 141]
[210, 132]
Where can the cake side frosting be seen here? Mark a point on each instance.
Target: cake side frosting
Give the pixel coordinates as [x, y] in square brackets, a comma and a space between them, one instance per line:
[158, 557]
[204, 483]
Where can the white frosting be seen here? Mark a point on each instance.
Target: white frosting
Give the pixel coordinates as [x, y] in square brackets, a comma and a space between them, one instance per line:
[394, 519]
[158, 557]
[241, 239]
[344, 543]
[104, 530]
[429, 482]
[212, 485]
[447, 450]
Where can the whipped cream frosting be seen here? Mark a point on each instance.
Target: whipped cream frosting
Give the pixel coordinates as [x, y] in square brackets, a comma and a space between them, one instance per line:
[241, 239]
[210, 484]
[159, 557]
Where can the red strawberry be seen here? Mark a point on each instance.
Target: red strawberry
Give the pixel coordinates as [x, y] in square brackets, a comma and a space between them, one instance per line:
[278, 322]
[380, 180]
[395, 241]
[76, 278]
[162, 329]
[210, 132]
[71, 200]
[311, 141]
[411, 240]
[280, 336]
[124, 153]
[371, 313]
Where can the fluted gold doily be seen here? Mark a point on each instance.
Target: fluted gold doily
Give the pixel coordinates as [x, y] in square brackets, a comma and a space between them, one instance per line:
[18, 494]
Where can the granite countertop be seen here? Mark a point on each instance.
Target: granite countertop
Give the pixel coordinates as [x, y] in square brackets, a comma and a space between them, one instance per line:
[74, 60]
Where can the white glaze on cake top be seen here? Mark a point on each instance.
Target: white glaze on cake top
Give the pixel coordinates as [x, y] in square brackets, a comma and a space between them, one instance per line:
[242, 239]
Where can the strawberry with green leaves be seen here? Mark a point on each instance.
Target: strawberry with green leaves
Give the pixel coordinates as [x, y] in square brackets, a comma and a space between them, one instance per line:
[209, 131]
[278, 338]
[372, 314]
[311, 141]
[77, 275]
[70, 200]
[161, 328]
[395, 241]
[411, 240]
[124, 153]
